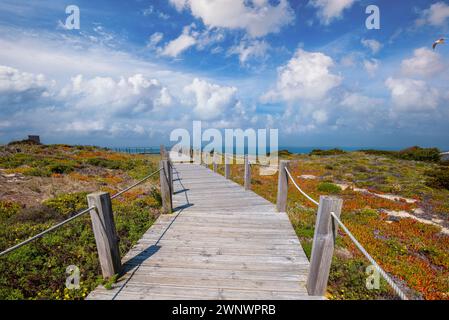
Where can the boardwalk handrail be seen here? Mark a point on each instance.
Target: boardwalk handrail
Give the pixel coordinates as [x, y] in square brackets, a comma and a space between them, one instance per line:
[355, 241]
[281, 205]
[77, 215]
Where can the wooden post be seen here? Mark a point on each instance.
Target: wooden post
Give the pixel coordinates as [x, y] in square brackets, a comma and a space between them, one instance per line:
[163, 152]
[281, 202]
[323, 245]
[214, 163]
[227, 167]
[105, 233]
[205, 159]
[170, 172]
[164, 177]
[247, 173]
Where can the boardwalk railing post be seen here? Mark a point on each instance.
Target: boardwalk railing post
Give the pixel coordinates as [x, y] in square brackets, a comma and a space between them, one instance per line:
[214, 164]
[247, 173]
[170, 174]
[166, 195]
[204, 159]
[170, 178]
[323, 245]
[163, 152]
[227, 167]
[105, 233]
[281, 202]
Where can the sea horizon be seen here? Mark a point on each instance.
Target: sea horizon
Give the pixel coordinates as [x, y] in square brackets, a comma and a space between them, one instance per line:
[291, 149]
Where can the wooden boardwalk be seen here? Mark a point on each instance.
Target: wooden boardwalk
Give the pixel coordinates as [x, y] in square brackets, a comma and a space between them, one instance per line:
[222, 242]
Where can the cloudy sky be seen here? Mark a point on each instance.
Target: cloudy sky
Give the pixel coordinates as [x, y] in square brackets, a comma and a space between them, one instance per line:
[135, 70]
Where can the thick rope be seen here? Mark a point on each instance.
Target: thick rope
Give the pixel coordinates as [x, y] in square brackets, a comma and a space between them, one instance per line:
[136, 184]
[79, 214]
[17, 246]
[358, 245]
[300, 190]
[371, 259]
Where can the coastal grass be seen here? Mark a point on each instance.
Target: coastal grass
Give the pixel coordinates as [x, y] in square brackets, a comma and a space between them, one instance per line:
[413, 253]
[38, 269]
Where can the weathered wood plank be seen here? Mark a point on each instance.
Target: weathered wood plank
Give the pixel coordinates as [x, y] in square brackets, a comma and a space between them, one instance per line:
[221, 242]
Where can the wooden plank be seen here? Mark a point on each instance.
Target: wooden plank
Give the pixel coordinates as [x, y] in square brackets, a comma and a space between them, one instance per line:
[222, 242]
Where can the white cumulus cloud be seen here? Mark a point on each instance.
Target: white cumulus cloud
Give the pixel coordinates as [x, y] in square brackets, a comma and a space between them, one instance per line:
[372, 44]
[412, 95]
[132, 95]
[436, 15]
[250, 50]
[211, 101]
[371, 66]
[258, 17]
[12, 80]
[330, 10]
[424, 62]
[175, 47]
[306, 76]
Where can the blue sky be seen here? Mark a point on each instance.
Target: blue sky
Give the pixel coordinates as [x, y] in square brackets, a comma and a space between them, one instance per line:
[135, 70]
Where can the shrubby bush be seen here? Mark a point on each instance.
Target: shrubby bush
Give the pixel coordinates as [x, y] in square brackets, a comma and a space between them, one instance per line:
[328, 187]
[420, 154]
[413, 153]
[331, 152]
[438, 178]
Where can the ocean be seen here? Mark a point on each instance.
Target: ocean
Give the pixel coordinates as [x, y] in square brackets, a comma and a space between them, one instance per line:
[296, 150]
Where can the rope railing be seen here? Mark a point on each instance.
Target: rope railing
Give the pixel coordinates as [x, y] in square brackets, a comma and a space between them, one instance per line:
[136, 184]
[355, 241]
[299, 189]
[40, 235]
[77, 215]
[371, 259]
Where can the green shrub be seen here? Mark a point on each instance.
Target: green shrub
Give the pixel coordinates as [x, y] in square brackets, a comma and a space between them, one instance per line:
[438, 178]
[104, 163]
[37, 270]
[328, 187]
[420, 154]
[284, 153]
[413, 153]
[24, 142]
[348, 281]
[60, 168]
[16, 160]
[379, 152]
[331, 152]
[37, 172]
[67, 204]
[8, 209]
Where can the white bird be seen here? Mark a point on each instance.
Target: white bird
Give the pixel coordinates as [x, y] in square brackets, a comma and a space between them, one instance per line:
[439, 41]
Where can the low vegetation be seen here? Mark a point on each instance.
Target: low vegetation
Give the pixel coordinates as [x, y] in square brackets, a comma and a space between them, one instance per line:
[373, 185]
[43, 185]
[47, 184]
[438, 178]
[413, 153]
[331, 152]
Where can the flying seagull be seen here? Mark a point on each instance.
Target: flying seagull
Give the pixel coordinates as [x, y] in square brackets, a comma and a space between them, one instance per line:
[439, 41]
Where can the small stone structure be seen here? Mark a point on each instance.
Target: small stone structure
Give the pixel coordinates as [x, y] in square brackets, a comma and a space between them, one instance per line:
[34, 138]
